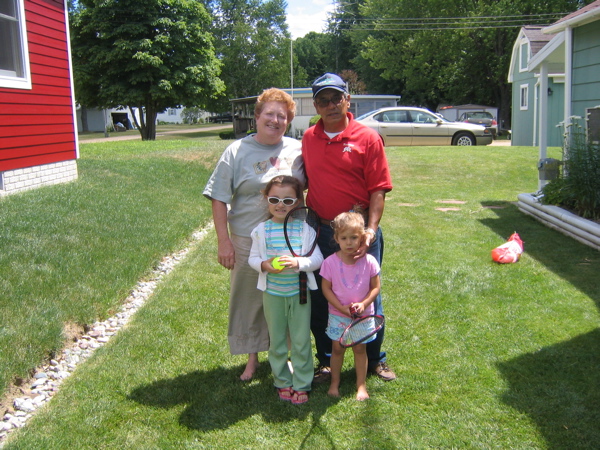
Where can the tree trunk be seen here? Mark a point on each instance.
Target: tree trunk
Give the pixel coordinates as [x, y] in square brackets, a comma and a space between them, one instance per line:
[149, 130]
[84, 119]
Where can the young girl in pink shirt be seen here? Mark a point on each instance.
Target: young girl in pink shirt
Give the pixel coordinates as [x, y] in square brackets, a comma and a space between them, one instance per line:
[349, 284]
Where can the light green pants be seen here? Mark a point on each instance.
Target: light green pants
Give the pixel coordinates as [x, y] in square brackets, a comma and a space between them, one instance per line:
[285, 315]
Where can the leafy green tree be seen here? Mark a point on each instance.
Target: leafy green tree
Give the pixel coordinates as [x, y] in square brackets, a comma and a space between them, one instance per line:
[348, 29]
[315, 54]
[191, 114]
[448, 51]
[253, 44]
[148, 55]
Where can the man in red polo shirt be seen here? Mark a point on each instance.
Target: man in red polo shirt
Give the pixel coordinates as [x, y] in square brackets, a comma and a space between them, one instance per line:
[346, 166]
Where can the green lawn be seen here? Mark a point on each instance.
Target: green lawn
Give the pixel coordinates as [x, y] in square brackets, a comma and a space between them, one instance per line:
[487, 355]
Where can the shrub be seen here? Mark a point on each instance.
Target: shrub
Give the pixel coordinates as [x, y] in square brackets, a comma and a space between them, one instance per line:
[313, 120]
[227, 135]
[578, 188]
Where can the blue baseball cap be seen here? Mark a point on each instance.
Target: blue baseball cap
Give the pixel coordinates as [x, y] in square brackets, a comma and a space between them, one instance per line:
[329, 81]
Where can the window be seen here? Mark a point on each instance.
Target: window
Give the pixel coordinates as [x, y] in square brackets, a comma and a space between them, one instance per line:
[420, 117]
[394, 116]
[524, 102]
[305, 107]
[593, 125]
[14, 58]
[523, 56]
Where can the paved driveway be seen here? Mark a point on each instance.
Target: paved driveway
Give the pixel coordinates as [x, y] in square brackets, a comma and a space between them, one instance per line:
[130, 137]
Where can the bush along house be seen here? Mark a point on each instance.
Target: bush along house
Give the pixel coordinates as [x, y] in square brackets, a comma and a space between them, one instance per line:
[38, 138]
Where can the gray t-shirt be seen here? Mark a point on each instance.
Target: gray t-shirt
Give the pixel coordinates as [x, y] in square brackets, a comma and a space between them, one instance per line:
[244, 169]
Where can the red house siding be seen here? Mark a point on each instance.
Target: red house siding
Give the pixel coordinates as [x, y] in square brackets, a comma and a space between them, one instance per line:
[37, 125]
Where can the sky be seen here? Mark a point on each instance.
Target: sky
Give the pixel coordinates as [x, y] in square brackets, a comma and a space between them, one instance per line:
[304, 16]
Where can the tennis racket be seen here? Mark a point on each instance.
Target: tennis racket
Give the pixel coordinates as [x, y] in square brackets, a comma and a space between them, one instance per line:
[361, 329]
[292, 231]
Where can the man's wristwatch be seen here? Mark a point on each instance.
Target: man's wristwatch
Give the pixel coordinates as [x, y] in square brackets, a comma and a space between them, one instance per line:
[370, 231]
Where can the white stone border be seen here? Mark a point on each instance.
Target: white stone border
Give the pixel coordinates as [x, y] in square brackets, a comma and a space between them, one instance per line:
[48, 377]
[585, 231]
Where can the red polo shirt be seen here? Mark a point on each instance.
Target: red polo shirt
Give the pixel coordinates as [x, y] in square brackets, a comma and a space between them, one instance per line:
[345, 170]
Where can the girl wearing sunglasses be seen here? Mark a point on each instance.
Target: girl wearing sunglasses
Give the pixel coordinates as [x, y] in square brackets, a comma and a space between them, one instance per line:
[278, 279]
[234, 189]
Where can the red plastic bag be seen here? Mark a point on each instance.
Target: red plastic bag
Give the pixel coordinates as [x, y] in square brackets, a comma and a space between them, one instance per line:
[510, 251]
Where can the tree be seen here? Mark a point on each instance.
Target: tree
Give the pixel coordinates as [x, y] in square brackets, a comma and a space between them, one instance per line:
[148, 55]
[191, 114]
[253, 44]
[355, 85]
[448, 51]
[348, 29]
[315, 54]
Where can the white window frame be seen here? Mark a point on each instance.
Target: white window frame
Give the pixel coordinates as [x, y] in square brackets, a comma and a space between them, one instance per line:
[523, 56]
[10, 79]
[524, 97]
[592, 123]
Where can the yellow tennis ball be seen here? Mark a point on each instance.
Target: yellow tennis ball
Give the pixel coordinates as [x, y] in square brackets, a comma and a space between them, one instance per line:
[277, 264]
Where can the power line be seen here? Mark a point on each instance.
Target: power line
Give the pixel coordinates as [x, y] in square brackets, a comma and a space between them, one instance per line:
[445, 23]
[426, 19]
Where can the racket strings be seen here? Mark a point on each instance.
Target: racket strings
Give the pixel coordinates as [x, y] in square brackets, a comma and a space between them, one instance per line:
[360, 330]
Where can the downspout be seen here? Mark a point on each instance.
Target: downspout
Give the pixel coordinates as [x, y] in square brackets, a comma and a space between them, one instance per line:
[536, 99]
[543, 112]
[568, 84]
[543, 116]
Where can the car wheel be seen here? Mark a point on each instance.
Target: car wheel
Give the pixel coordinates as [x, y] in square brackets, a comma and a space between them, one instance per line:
[463, 139]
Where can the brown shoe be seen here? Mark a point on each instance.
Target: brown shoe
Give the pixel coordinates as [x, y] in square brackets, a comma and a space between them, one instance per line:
[383, 371]
[322, 374]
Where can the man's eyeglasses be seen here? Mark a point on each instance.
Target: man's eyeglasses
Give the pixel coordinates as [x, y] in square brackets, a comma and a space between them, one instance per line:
[286, 201]
[324, 102]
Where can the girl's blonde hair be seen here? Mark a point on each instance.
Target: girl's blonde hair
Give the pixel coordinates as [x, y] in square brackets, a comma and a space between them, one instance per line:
[276, 95]
[348, 220]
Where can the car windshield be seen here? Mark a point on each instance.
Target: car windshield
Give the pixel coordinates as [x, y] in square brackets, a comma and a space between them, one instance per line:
[366, 115]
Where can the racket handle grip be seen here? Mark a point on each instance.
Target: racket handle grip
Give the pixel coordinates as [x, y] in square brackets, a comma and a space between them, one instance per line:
[303, 296]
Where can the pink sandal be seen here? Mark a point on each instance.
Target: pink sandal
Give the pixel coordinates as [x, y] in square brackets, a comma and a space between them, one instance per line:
[285, 394]
[299, 397]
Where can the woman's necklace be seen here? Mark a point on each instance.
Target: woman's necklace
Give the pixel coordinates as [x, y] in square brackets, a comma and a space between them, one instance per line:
[356, 275]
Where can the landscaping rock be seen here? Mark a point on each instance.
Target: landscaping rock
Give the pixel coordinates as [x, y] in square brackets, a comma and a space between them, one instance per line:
[48, 378]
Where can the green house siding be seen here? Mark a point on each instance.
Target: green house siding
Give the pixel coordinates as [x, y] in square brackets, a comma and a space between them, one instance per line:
[586, 68]
[556, 114]
[522, 119]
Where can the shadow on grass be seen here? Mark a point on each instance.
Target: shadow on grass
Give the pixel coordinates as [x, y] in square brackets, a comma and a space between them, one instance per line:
[559, 388]
[216, 399]
[566, 257]
[190, 136]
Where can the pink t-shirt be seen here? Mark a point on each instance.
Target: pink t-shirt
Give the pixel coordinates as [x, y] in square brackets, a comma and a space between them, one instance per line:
[350, 283]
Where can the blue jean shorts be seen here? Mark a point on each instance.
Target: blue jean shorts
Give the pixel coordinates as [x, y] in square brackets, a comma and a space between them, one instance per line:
[336, 326]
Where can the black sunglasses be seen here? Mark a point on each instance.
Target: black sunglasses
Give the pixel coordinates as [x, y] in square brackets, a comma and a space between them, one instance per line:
[324, 102]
